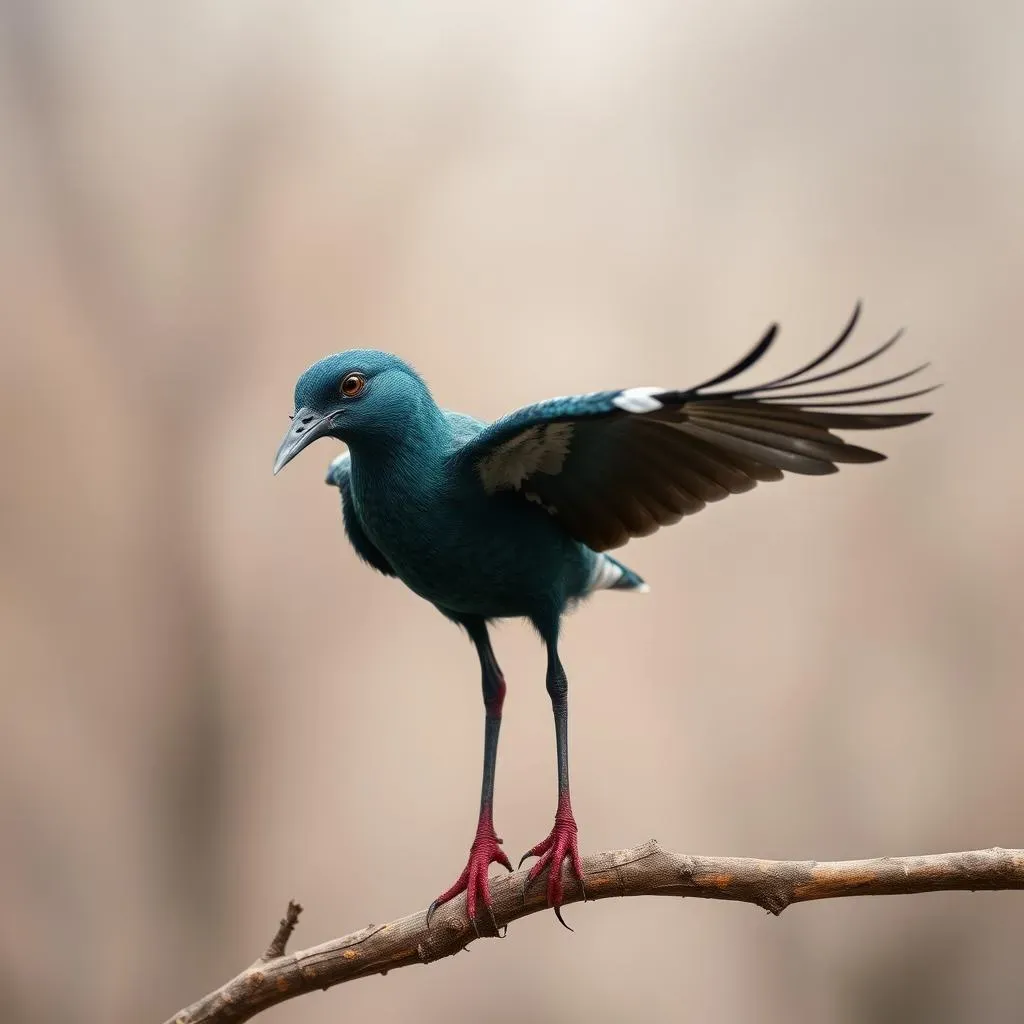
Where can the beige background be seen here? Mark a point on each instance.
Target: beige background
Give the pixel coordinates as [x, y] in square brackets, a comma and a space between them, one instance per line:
[210, 706]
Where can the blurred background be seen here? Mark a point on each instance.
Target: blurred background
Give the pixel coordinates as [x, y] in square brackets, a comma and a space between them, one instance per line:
[209, 706]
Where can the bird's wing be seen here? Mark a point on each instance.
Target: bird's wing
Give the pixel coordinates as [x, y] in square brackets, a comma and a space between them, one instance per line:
[619, 464]
[340, 475]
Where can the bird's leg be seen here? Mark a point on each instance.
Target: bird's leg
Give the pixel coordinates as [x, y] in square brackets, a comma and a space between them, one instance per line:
[486, 848]
[561, 844]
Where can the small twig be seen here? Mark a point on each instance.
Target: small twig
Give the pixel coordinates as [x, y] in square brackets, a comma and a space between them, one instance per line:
[643, 871]
[284, 931]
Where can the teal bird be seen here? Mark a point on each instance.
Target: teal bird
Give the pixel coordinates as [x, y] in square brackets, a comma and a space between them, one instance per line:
[512, 519]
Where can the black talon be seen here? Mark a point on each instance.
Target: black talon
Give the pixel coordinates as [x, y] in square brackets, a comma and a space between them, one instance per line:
[561, 920]
[524, 856]
[431, 910]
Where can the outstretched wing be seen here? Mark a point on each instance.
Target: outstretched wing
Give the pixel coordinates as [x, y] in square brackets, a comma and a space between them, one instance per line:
[339, 474]
[619, 464]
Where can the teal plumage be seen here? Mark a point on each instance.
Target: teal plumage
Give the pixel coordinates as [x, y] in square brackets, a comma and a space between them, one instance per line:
[514, 518]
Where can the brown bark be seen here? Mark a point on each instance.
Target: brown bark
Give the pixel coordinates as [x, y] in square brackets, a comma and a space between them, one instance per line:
[645, 870]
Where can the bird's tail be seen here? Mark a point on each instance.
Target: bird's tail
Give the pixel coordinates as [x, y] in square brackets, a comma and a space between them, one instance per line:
[609, 574]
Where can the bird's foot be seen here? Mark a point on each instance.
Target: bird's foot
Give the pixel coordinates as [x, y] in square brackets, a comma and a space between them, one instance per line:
[560, 845]
[474, 881]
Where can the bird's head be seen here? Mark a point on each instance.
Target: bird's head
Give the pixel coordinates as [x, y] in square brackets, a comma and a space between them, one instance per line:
[357, 395]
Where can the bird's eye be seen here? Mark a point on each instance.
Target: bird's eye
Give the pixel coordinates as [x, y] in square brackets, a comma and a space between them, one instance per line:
[352, 384]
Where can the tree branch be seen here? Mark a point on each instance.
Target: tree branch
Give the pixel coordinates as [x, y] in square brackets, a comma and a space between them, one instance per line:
[646, 870]
[284, 932]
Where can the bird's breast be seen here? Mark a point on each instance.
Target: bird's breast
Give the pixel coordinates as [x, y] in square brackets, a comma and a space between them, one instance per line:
[468, 552]
[423, 534]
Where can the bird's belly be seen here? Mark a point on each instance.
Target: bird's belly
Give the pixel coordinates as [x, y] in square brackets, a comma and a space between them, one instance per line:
[475, 579]
[482, 565]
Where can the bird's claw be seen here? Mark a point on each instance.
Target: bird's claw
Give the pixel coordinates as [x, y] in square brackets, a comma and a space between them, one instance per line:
[474, 880]
[431, 910]
[559, 846]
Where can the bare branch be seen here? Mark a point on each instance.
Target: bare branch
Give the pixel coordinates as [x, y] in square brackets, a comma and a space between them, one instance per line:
[284, 932]
[646, 870]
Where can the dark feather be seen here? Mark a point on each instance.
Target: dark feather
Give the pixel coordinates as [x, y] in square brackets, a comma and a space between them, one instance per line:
[665, 455]
[836, 345]
[725, 471]
[888, 400]
[828, 447]
[828, 421]
[746, 362]
[788, 382]
[834, 392]
[780, 458]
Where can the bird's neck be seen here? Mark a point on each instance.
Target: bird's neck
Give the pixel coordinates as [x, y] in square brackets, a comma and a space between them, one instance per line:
[415, 442]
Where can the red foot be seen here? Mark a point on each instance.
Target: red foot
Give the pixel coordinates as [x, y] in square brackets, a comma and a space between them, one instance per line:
[474, 881]
[559, 846]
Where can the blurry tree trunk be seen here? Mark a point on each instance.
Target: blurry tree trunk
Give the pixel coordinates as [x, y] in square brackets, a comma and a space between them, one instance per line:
[159, 434]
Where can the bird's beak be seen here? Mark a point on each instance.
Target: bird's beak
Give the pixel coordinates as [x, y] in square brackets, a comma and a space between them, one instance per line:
[306, 426]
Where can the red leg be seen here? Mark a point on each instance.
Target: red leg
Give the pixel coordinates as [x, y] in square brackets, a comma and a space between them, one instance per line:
[486, 848]
[561, 844]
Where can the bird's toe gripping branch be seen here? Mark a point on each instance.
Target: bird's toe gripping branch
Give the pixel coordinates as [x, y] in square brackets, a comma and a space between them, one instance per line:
[559, 846]
[474, 881]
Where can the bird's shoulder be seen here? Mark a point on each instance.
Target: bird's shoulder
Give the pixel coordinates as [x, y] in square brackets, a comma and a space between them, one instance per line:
[532, 438]
[464, 428]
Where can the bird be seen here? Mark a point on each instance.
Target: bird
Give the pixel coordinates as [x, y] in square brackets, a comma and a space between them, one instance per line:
[515, 518]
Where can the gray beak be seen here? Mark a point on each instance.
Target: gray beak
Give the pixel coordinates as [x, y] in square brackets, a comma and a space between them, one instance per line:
[306, 427]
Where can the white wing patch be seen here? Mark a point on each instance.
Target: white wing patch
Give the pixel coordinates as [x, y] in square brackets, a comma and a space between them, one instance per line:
[540, 449]
[638, 400]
